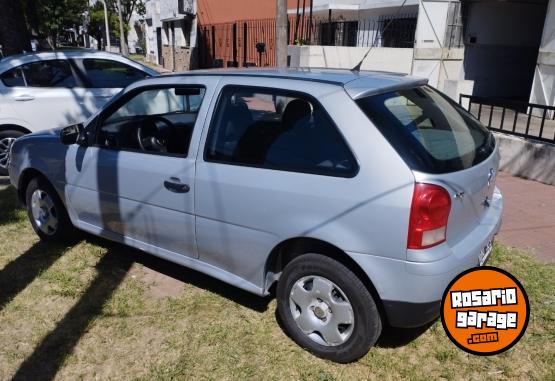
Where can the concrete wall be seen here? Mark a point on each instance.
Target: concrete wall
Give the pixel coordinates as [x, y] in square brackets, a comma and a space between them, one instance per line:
[526, 158]
[183, 58]
[385, 59]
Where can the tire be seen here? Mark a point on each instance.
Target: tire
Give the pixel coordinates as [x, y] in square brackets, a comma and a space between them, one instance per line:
[46, 212]
[336, 341]
[6, 139]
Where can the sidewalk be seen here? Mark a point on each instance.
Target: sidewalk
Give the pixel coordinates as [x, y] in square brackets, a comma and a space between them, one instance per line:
[529, 216]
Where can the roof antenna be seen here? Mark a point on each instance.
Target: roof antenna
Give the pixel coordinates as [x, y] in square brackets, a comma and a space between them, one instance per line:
[357, 67]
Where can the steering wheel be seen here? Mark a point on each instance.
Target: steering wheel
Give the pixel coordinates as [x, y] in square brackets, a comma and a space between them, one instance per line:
[153, 133]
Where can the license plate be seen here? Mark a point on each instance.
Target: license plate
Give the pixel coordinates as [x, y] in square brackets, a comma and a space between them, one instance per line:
[485, 252]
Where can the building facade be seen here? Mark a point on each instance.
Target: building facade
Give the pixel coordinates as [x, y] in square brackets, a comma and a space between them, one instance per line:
[494, 49]
[171, 27]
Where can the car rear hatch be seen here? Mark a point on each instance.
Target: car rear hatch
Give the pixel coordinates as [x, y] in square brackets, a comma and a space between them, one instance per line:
[443, 145]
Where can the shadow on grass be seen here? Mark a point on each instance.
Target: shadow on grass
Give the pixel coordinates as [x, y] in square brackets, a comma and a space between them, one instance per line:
[20, 272]
[393, 337]
[49, 355]
[200, 280]
[9, 205]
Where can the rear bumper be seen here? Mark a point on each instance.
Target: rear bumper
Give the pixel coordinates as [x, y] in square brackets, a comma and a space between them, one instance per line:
[411, 291]
[410, 315]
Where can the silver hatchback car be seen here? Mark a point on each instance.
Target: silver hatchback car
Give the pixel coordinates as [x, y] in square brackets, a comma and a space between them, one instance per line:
[357, 197]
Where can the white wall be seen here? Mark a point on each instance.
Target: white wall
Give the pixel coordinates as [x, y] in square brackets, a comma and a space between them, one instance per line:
[543, 87]
[432, 21]
[341, 57]
[431, 59]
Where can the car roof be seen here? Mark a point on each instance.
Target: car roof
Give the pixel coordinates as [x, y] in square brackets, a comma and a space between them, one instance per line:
[357, 83]
[20, 59]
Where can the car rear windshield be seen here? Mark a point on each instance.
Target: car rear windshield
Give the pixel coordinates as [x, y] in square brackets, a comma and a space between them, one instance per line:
[431, 132]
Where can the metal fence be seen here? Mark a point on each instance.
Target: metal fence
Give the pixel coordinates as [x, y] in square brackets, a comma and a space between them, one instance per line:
[235, 44]
[385, 31]
[528, 120]
[252, 42]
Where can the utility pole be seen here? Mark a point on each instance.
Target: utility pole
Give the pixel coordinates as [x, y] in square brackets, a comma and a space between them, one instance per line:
[122, 42]
[281, 33]
[108, 47]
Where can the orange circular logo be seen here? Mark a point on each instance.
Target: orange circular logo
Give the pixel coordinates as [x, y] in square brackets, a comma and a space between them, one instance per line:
[485, 311]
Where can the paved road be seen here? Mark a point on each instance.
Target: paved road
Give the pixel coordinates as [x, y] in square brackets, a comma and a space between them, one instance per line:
[528, 220]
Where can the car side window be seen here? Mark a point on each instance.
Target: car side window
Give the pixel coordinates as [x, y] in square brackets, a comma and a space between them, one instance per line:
[277, 129]
[13, 78]
[155, 121]
[104, 73]
[52, 73]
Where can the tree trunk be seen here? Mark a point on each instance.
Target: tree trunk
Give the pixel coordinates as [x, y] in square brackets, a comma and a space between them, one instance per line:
[14, 36]
[281, 33]
[123, 43]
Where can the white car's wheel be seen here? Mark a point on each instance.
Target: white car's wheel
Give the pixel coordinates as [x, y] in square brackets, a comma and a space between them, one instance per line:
[6, 139]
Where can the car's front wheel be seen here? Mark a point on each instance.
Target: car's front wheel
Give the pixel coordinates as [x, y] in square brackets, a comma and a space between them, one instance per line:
[326, 308]
[46, 211]
[6, 139]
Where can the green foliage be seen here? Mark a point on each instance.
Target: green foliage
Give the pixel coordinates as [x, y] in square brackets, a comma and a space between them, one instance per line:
[127, 8]
[51, 17]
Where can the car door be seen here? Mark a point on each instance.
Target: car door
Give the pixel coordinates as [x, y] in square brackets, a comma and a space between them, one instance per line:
[105, 78]
[47, 94]
[273, 158]
[140, 195]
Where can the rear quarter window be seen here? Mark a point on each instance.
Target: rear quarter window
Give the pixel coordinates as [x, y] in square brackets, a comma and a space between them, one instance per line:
[103, 73]
[430, 132]
[277, 129]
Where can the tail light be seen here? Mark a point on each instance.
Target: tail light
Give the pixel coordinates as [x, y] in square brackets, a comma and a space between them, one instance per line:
[429, 213]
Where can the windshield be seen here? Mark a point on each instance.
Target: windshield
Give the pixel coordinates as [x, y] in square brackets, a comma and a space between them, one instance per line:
[431, 132]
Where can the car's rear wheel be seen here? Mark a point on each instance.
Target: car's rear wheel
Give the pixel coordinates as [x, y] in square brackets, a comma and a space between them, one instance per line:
[46, 211]
[327, 309]
[6, 139]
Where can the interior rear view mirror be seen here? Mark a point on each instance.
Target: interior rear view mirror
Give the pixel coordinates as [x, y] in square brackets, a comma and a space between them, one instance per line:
[187, 91]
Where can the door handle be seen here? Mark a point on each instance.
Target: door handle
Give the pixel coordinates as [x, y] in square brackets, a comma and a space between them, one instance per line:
[23, 98]
[173, 184]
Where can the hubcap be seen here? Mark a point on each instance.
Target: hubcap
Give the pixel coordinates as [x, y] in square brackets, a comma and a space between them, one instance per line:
[5, 145]
[321, 310]
[44, 212]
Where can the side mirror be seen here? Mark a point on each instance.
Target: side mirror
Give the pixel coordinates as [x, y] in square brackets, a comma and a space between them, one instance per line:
[73, 134]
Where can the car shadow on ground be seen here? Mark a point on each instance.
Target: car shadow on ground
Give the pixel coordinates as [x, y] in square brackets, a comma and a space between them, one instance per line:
[393, 337]
[49, 355]
[9, 205]
[205, 282]
[20, 272]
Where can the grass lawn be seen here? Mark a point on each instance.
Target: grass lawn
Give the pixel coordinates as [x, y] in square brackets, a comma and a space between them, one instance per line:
[97, 310]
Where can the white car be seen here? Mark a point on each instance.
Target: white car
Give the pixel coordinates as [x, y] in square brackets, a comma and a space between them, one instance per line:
[53, 89]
